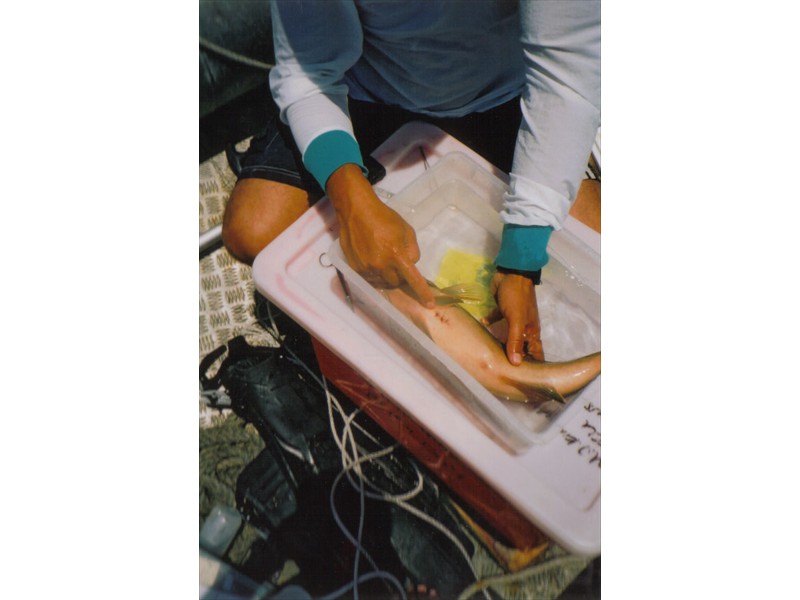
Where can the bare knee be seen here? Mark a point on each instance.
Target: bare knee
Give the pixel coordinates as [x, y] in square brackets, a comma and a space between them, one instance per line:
[586, 207]
[257, 212]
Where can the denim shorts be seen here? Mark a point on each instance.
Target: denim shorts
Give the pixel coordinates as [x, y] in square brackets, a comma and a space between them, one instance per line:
[273, 154]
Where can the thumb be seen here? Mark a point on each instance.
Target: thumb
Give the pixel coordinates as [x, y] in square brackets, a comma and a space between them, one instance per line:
[515, 342]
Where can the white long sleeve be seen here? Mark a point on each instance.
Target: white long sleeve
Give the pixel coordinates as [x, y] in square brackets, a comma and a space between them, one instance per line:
[561, 109]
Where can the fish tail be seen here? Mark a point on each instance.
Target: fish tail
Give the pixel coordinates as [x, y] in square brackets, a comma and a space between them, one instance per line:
[570, 376]
[533, 392]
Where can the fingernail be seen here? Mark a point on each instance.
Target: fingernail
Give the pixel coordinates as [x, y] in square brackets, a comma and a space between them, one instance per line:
[516, 358]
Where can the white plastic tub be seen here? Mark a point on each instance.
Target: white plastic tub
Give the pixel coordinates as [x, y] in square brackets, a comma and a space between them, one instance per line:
[455, 206]
[555, 484]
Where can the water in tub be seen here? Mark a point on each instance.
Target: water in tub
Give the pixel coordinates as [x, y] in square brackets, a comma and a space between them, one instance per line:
[459, 233]
[568, 330]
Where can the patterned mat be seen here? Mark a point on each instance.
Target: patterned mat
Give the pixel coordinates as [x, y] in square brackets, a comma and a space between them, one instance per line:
[227, 304]
[226, 285]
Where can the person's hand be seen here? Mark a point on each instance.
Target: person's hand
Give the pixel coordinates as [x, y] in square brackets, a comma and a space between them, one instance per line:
[376, 241]
[516, 301]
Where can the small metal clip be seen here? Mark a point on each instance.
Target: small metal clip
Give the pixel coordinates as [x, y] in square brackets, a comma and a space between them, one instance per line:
[424, 158]
[346, 289]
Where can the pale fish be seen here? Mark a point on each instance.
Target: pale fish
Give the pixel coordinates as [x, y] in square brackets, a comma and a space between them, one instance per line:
[473, 347]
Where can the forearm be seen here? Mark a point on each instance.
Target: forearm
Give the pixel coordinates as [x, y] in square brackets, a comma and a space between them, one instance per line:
[561, 113]
[307, 81]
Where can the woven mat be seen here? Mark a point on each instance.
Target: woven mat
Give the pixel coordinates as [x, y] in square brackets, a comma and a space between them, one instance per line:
[227, 304]
[226, 285]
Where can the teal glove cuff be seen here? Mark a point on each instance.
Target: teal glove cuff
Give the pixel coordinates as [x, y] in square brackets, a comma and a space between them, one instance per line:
[524, 248]
[330, 151]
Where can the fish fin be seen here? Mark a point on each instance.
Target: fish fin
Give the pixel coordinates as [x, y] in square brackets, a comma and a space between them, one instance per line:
[460, 292]
[537, 395]
[466, 292]
[540, 395]
[447, 300]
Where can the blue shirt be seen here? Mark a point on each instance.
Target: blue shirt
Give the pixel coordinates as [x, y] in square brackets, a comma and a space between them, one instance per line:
[450, 58]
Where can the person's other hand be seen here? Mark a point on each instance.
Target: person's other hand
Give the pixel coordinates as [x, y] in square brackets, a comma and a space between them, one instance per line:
[376, 241]
[516, 301]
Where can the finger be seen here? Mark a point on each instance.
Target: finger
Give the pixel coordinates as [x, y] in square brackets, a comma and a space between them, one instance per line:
[533, 337]
[412, 247]
[418, 284]
[374, 278]
[390, 278]
[493, 317]
[534, 343]
[533, 330]
[515, 342]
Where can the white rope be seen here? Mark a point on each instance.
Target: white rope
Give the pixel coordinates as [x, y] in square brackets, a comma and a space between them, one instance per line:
[234, 56]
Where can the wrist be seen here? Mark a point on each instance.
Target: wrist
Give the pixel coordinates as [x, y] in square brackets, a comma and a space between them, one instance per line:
[534, 276]
[348, 188]
[523, 248]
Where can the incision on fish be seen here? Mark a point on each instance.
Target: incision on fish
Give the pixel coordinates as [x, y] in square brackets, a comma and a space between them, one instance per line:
[441, 316]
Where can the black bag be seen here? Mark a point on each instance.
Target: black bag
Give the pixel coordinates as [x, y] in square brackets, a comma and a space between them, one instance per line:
[267, 388]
